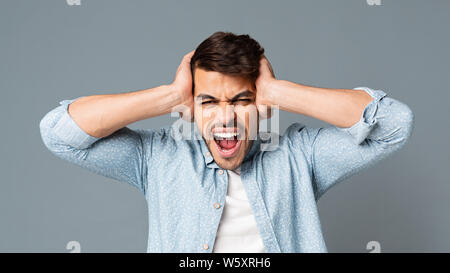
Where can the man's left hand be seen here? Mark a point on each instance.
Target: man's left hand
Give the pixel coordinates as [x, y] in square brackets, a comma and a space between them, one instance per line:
[263, 83]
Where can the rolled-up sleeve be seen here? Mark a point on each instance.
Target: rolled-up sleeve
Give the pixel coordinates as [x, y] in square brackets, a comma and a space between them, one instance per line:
[69, 132]
[361, 129]
[392, 124]
[120, 156]
[336, 153]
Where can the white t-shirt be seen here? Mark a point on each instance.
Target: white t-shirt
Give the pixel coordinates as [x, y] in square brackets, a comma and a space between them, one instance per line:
[237, 230]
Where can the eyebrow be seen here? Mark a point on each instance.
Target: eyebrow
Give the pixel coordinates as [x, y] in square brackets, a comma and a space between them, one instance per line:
[246, 93]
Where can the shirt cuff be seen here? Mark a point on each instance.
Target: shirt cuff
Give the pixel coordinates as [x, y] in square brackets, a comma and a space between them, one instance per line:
[364, 126]
[69, 132]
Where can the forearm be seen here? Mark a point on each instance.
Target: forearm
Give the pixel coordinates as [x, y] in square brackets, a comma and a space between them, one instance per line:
[337, 153]
[101, 115]
[339, 107]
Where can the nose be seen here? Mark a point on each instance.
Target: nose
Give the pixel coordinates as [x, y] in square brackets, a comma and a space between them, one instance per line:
[226, 115]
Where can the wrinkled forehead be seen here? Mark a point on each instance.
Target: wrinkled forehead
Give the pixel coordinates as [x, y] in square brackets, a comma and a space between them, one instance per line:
[221, 86]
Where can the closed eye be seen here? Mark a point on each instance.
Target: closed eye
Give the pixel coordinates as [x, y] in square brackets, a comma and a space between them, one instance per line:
[206, 102]
[238, 100]
[244, 100]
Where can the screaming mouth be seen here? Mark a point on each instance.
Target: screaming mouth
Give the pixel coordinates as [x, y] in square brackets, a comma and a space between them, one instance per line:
[227, 143]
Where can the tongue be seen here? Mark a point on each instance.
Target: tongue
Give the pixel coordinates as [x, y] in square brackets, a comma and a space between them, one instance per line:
[227, 144]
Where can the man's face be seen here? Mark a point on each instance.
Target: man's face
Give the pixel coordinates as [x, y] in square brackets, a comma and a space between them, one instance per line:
[226, 114]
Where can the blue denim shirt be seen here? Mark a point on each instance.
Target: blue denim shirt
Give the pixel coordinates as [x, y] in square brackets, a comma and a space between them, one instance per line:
[181, 182]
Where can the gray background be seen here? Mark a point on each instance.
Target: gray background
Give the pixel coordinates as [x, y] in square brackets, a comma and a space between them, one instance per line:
[51, 51]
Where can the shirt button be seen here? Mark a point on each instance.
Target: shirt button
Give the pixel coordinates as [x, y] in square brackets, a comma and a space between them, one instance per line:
[208, 154]
[220, 171]
[205, 246]
[217, 205]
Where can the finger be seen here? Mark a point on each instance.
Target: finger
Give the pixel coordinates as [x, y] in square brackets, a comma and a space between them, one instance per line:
[266, 65]
[186, 62]
[270, 68]
[265, 69]
[186, 115]
[188, 56]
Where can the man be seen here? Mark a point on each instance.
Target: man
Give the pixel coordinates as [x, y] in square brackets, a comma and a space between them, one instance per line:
[221, 192]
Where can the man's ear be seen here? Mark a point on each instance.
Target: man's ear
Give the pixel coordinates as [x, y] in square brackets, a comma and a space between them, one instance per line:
[264, 111]
[186, 112]
[187, 116]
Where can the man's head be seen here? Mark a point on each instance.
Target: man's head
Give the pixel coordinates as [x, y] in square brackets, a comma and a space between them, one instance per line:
[224, 68]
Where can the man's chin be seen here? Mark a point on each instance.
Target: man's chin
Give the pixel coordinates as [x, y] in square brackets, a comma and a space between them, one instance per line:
[230, 163]
[227, 163]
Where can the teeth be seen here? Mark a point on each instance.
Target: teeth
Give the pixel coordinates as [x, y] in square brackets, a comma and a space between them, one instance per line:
[225, 135]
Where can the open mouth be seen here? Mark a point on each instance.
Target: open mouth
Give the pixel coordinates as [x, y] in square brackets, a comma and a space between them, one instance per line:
[227, 143]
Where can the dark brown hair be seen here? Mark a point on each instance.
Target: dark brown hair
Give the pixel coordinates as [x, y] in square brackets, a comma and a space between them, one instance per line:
[228, 53]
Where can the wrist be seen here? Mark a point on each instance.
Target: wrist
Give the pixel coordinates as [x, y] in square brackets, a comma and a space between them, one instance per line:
[270, 91]
[177, 95]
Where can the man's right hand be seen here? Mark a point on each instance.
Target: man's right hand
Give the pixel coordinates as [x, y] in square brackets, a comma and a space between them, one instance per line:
[101, 115]
[182, 84]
